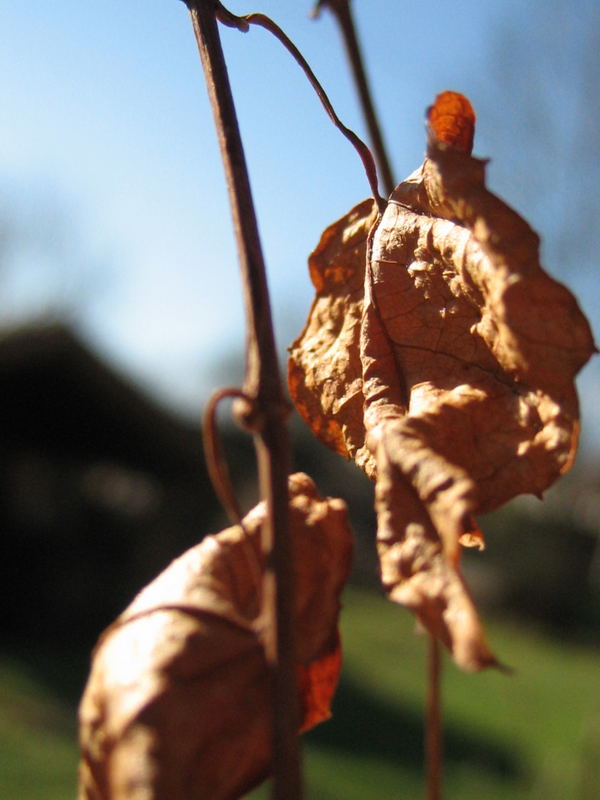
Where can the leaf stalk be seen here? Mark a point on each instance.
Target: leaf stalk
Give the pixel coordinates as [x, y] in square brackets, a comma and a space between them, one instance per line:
[342, 11]
[433, 734]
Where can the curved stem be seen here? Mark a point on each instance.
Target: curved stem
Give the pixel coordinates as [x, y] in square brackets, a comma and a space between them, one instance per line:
[213, 453]
[361, 148]
[343, 13]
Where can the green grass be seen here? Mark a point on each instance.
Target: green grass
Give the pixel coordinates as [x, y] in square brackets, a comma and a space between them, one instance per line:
[526, 729]
[525, 736]
[37, 738]
[530, 735]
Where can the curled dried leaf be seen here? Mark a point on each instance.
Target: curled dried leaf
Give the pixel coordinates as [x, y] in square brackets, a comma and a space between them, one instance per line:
[466, 358]
[178, 704]
[415, 569]
[324, 368]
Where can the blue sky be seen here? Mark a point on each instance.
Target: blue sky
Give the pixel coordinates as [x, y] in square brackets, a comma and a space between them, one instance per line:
[112, 190]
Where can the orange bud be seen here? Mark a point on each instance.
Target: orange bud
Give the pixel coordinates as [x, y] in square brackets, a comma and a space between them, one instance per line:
[452, 120]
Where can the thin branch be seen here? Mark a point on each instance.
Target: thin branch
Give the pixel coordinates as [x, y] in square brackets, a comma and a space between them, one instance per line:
[266, 412]
[342, 12]
[433, 733]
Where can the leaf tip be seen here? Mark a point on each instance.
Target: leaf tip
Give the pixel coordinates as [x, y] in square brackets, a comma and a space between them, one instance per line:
[451, 120]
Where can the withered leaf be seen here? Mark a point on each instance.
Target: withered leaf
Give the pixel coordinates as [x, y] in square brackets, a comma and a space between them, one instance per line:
[455, 391]
[177, 704]
[324, 369]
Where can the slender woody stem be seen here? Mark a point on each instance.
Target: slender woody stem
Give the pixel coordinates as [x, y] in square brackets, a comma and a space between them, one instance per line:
[343, 13]
[269, 408]
[433, 734]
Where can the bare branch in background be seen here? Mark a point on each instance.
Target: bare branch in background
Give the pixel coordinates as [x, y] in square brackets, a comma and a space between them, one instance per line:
[342, 12]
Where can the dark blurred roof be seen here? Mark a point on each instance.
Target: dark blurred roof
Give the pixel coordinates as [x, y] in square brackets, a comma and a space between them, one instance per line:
[56, 395]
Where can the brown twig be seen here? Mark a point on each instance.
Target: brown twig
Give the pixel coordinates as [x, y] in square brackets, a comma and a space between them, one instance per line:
[433, 733]
[343, 13]
[265, 414]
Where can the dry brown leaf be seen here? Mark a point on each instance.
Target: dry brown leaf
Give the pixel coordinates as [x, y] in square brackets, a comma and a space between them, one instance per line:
[177, 704]
[324, 370]
[460, 383]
